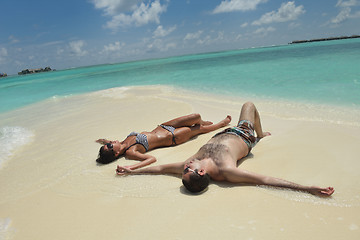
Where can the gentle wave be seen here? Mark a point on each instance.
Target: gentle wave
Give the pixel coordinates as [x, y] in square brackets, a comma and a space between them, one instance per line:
[11, 138]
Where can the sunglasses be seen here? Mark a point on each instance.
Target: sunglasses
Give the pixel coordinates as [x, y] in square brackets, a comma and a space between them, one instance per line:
[188, 169]
[109, 146]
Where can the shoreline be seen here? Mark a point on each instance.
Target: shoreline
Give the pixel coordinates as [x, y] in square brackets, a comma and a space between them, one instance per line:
[297, 109]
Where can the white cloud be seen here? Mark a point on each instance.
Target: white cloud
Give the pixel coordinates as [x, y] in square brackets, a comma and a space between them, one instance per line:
[161, 32]
[237, 5]
[343, 15]
[204, 41]
[114, 7]
[13, 39]
[287, 12]
[59, 51]
[128, 12]
[212, 37]
[244, 24]
[349, 3]
[113, 47]
[208, 40]
[160, 45]
[264, 31]
[76, 48]
[3, 54]
[355, 15]
[293, 25]
[345, 11]
[191, 36]
[52, 43]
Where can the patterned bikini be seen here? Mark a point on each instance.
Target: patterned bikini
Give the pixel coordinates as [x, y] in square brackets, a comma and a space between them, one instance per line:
[170, 129]
[142, 138]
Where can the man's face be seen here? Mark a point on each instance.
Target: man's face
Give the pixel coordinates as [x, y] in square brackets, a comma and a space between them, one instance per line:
[190, 167]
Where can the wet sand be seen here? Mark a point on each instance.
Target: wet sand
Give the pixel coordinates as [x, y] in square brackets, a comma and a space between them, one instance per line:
[52, 188]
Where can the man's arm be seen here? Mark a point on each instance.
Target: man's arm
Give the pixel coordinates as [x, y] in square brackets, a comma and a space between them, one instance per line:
[237, 175]
[171, 168]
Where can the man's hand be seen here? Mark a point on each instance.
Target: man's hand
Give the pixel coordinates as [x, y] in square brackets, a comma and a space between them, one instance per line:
[123, 170]
[322, 192]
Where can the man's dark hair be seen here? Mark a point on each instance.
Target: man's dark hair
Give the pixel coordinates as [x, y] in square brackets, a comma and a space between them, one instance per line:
[105, 157]
[197, 183]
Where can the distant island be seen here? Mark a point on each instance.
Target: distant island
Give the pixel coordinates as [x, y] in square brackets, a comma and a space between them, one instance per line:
[324, 39]
[38, 70]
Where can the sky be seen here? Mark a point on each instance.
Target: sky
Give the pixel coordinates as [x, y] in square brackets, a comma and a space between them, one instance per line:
[65, 34]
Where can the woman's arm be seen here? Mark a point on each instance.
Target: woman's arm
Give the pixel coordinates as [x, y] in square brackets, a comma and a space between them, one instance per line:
[103, 141]
[237, 175]
[144, 158]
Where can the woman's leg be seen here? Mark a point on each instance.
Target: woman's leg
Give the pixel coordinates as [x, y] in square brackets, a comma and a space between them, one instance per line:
[187, 121]
[183, 134]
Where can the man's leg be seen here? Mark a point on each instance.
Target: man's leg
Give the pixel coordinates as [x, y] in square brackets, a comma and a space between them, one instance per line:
[250, 113]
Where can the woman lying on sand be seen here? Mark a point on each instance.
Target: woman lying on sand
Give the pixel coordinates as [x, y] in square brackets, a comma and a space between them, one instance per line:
[173, 132]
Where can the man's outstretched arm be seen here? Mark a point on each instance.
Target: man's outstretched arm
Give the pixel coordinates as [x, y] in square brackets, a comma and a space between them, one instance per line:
[171, 168]
[236, 175]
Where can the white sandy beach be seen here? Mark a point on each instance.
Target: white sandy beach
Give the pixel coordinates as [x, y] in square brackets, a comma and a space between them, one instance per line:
[52, 187]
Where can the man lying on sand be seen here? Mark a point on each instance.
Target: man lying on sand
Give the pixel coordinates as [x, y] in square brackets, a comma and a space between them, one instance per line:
[173, 132]
[218, 158]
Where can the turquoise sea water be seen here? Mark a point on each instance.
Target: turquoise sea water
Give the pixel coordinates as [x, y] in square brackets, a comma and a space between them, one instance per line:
[321, 72]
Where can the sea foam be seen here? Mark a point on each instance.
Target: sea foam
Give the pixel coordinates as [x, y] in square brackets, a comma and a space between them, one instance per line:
[11, 138]
[6, 231]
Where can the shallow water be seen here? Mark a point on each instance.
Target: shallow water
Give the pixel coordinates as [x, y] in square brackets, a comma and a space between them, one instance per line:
[322, 72]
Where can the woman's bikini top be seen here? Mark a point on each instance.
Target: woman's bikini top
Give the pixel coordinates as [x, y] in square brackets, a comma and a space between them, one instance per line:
[140, 139]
